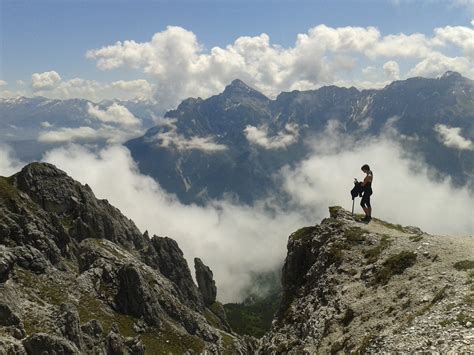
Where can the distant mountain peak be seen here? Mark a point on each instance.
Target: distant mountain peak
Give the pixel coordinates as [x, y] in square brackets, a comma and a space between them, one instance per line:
[238, 87]
[451, 75]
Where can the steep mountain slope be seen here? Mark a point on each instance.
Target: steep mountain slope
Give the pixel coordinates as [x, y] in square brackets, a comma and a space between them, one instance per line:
[76, 276]
[257, 136]
[349, 286]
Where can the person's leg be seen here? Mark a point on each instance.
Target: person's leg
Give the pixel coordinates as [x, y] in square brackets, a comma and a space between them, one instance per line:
[363, 204]
[369, 207]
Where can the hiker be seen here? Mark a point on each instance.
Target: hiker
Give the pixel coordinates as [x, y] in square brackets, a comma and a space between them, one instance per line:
[366, 186]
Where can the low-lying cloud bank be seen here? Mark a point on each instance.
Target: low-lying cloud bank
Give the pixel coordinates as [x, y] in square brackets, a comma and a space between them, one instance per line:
[236, 240]
[260, 136]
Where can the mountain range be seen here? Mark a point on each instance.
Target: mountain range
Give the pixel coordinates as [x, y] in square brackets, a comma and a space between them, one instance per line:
[234, 142]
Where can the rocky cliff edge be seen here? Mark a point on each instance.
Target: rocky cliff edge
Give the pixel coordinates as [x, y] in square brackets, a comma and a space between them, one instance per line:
[377, 287]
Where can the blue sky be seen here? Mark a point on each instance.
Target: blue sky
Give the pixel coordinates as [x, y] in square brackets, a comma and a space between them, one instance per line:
[40, 36]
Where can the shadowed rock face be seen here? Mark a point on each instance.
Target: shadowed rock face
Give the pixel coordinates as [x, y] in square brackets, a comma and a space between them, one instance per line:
[76, 276]
[206, 283]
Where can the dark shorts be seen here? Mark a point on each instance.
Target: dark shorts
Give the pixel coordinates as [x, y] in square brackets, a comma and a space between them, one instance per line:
[365, 202]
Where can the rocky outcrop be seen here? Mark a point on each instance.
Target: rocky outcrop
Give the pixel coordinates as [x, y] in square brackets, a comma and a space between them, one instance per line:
[377, 287]
[76, 276]
[206, 283]
[134, 296]
[172, 264]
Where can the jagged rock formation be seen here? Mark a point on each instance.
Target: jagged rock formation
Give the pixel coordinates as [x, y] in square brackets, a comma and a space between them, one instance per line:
[206, 283]
[352, 287]
[76, 276]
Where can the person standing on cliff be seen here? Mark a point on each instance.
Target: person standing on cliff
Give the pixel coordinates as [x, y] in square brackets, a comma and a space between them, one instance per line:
[367, 191]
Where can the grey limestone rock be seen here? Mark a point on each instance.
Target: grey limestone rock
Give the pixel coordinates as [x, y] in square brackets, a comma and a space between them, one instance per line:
[206, 282]
[41, 343]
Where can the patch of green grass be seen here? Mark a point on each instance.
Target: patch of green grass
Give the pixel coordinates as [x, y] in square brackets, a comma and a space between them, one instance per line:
[304, 233]
[253, 317]
[397, 227]
[355, 234]
[461, 318]
[464, 265]
[394, 265]
[469, 299]
[365, 343]
[167, 340]
[441, 294]
[450, 306]
[212, 319]
[47, 290]
[228, 343]
[90, 307]
[348, 317]
[373, 254]
[415, 238]
[6, 188]
[335, 255]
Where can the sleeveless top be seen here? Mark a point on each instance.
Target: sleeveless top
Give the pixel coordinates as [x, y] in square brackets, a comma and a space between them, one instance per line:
[368, 186]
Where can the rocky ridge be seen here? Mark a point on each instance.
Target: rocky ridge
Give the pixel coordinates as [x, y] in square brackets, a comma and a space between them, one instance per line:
[76, 276]
[380, 287]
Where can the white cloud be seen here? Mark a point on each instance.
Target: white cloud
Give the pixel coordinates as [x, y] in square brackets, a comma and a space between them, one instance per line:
[404, 190]
[3, 83]
[46, 124]
[45, 81]
[107, 133]
[115, 113]
[260, 136]
[233, 239]
[459, 36]
[392, 70]
[236, 240]
[96, 91]
[437, 64]
[9, 165]
[451, 137]
[170, 138]
[181, 66]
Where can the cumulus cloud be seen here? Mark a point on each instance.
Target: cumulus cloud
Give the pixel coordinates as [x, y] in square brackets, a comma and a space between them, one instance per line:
[3, 83]
[170, 138]
[392, 70]
[115, 113]
[45, 81]
[260, 136]
[451, 137]
[180, 65]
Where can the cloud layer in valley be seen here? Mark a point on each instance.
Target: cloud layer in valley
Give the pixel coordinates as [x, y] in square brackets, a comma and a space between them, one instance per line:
[236, 240]
[169, 137]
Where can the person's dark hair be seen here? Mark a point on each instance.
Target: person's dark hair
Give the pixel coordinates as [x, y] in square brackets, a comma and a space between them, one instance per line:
[366, 167]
